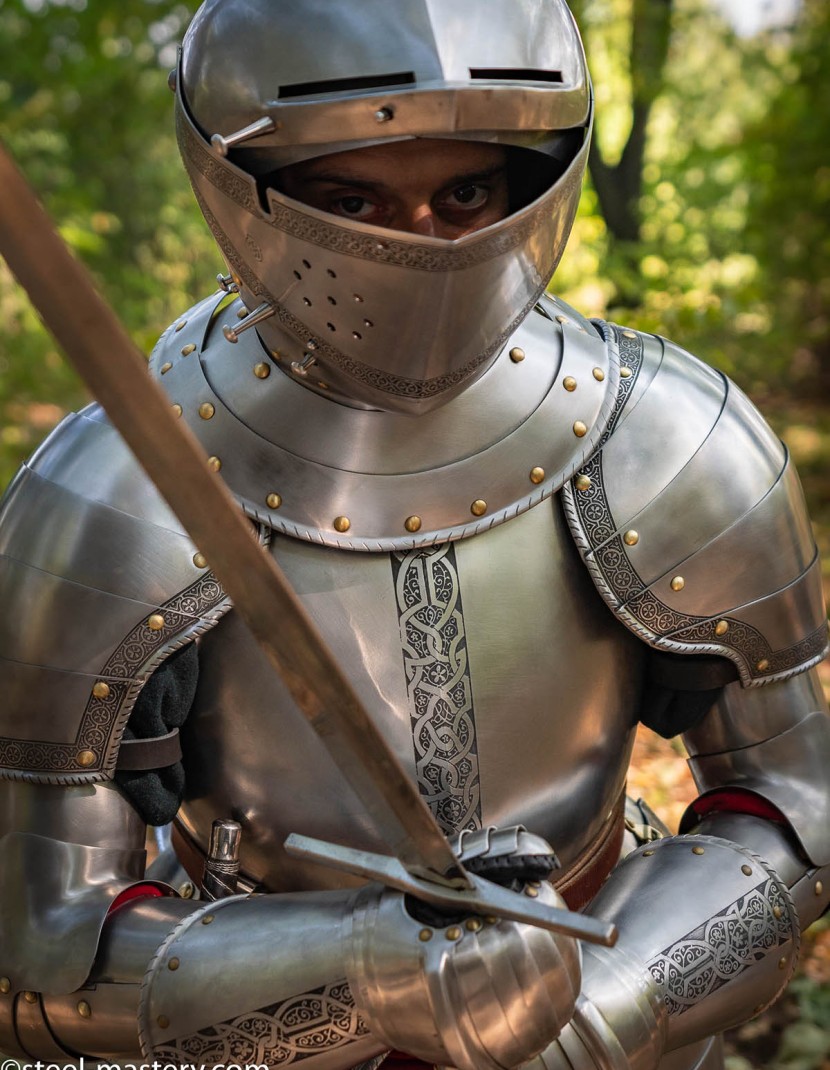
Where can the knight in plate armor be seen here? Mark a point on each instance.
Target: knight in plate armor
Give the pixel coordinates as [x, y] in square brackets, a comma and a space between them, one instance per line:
[522, 532]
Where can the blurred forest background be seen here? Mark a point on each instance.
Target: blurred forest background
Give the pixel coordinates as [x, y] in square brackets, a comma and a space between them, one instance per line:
[704, 219]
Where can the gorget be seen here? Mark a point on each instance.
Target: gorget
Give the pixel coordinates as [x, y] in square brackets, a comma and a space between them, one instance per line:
[315, 469]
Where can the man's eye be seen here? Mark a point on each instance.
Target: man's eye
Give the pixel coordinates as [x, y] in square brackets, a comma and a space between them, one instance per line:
[354, 207]
[471, 196]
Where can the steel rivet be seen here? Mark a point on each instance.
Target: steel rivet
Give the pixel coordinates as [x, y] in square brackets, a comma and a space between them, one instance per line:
[155, 622]
[383, 115]
[342, 523]
[626, 373]
[273, 501]
[241, 313]
[473, 925]
[163, 1021]
[199, 560]
[84, 1009]
[678, 583]
[531, 892]
[208, 919]
[173, 964]
[580, 429]
[746, 870]
[177, 409]
[453, 933]
[569, 383]
[777, 912]
[562, 319]
[599, 374]
[698, 850]
[214, 464]
[782, 963]
[165, 368]
[101, 689]
[262, 370]
[86, 758]
[537, 475]
[5, 985]
[631, 537]
[188, 349]
[207, 411]
[186, 890]
[647, 854]
[583, 482]
[30, 997]
[181, 325]
[629, 334]
[479, 507]
[490, 919]
[762, 665]
[722, 627]
[819, 888]
[412, 523]
[424, 935]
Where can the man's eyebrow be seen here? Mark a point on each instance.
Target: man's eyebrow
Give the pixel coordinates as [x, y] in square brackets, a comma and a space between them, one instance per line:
[335, 178]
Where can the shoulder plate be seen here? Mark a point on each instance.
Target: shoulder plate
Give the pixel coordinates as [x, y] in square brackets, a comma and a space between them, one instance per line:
[692, 521]
[100, 584]
[361, 479]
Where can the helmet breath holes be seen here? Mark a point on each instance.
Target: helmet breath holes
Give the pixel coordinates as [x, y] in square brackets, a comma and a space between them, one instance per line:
[357, 336]
[306, 302]
[297, 275]
[331, 274]
[368, 323]
[331, 327]
[331, 300]
[306, 265]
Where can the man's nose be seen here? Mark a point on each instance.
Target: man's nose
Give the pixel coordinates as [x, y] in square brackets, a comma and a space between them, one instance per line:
[421, 220]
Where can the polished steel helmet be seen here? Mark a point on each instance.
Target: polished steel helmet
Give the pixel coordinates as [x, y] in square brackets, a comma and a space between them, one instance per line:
[382, 318]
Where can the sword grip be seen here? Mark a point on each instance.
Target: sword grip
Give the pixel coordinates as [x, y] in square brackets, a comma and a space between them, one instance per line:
[222, 862]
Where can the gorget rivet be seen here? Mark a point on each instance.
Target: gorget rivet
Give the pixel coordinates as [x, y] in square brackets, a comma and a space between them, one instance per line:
[186, 890]
[412, 524]
[722, 627]
[490, 919]
[583, 482]
[188, 349]
[101, 689]
[580, 429]
[424, 935]
[531, 892]
[625, 373]
[84, 1009]
[342, 523]
[562, 319]
[762, 665]
[383, 115]
[647, 854]
[207, 411]
[517, 355]
[273, 501]
[678, 583]
[199, 560]
[569, 383]
[241, 313]
[180, 326]
[155, 622]
[165, 368]
[214, 464]
[631, 538]
[262, 370]
[5, 986]
[479, 507]
[30, 997]
[163, 1021]
[698, 850]
[746, 870]
[208, 919]
[819, 888]
[173, 964]
[599, 374]
[177, 409]
[782, 963]
[537, 475]
[86, 758]
[453, 933]
[777, 912]
[629, 334]
[473, 925]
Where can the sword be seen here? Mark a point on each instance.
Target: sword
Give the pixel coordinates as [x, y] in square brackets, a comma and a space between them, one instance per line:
[63, 293]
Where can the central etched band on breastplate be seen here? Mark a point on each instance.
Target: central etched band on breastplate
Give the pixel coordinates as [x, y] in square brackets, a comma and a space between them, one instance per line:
[439, 687]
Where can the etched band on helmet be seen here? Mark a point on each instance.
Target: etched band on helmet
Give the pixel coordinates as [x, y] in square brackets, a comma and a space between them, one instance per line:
[389, 319]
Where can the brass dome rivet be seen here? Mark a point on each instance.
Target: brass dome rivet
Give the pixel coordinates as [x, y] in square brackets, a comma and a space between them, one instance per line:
[412, 524]
[165, 368]
[177, 409]
[199, 560]
[273, 501]
[84, 1009]
[207, 411]
[186, 890]
[782, 963]
[479, 507]
[188, 349]
[342, 523]
[537, 475]
[531, 892]
[453, 933]
[173, 964]
[322, 385]
[625, 373]
[517, 355]
[86, 758]
[262, 370]
[698, 850]
[163, 1021]
[101, 689]
[762, 665]
[631, 537]
[777, 912]
[746, 870]
[5, 985]
[647, 854]
[490, 919]
[155, 622]
[473, 925]
[678, 583]
[598, 374]
[208, 919]
[569, 383]
[583, 482]
[629, 334]
[214, 464]
[819, 889]
[580, 429]
[30, 997]
[181, 325]
[722, 627]
[241, 313]
[424, 935]
[562, 319]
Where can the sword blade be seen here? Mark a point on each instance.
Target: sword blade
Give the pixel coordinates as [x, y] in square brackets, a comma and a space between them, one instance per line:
[115, 371]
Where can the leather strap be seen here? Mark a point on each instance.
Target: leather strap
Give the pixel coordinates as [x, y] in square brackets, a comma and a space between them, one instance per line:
[138, 755]
[585, 876]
